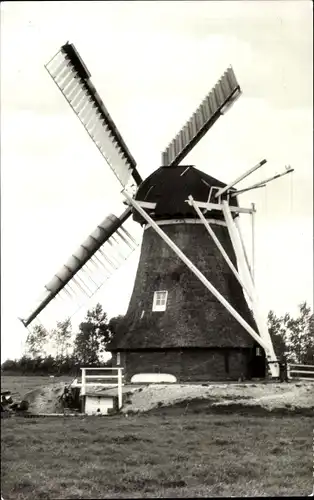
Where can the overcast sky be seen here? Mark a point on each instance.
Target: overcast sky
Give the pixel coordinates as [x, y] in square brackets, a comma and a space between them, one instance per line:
[152, 63]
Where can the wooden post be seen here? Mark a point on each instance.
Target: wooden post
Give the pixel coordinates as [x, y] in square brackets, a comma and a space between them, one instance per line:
[197, 272]
[253, 241]
[83, 389]
[119, 388]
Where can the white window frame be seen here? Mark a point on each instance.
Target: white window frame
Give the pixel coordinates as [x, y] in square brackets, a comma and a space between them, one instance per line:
[118, 358]
[211, 195]
[160, 300]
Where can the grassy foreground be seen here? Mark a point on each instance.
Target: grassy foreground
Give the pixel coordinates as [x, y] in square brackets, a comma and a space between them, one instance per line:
[166, 453]
[156, 455]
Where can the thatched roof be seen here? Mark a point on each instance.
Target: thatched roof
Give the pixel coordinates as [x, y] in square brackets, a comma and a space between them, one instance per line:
[169, 187]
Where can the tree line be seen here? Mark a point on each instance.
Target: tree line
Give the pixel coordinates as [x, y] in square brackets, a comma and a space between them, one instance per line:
[61, 351]
[292, 337]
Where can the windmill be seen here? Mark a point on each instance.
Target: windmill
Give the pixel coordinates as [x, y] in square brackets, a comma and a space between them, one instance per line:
[188, 315]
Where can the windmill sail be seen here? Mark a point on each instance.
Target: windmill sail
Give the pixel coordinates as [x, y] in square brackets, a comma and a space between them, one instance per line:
[72, 77]
[215, 104]
[104, 251]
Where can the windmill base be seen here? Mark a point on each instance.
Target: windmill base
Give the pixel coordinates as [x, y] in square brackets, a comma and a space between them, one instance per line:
[194, 365]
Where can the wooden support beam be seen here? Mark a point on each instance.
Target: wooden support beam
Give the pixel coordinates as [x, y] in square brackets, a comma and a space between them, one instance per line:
[237, 223]
[253, 240]
[145, 204]
[238, 179]
[198, 273]
[219, 246]
[263, 183]
[218, 206]
[260, 321]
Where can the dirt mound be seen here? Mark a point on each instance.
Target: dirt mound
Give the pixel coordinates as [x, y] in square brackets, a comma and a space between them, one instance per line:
[45, 399]
[268, 396]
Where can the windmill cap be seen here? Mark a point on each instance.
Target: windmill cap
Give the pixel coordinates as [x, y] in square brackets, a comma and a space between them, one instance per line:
[170, 187]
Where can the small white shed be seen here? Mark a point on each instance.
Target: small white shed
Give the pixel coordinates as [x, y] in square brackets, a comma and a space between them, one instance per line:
[99, 404]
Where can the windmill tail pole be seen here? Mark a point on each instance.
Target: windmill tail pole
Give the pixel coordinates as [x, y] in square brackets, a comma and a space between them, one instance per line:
[288, 170]
[261, 323]
[243, 176]
[198, 273]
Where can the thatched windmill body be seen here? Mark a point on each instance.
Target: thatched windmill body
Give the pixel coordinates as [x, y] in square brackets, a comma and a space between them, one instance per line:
[173, 323]
[187, 315]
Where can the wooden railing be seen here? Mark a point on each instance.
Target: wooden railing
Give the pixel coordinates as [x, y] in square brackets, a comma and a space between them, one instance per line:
[300, 372]
[118, 377]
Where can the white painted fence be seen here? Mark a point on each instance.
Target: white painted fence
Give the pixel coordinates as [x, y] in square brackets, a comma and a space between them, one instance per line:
[295, 371]
[118, 377]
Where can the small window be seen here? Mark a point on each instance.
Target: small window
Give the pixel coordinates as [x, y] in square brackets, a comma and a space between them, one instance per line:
[160, 301]
[118, 358]
[258, 351]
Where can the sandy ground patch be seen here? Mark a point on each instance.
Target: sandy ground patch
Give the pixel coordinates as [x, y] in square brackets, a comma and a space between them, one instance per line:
[45, 399]
[270, 396]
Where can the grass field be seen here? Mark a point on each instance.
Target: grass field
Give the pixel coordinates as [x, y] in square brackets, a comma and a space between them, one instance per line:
[165, 453]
